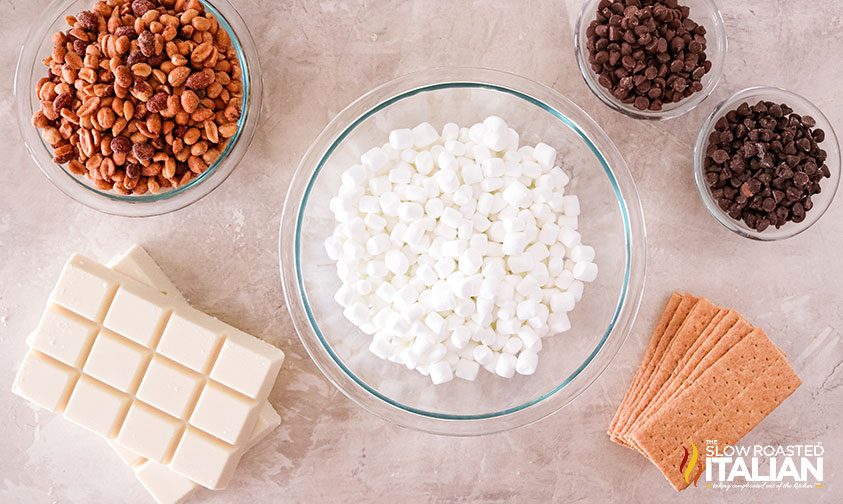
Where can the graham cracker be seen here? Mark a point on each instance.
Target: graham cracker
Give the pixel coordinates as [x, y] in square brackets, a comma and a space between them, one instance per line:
[679, 315]
[707, 354]
[726, 402]
[697, 320]
[722, 322]
[658, 332]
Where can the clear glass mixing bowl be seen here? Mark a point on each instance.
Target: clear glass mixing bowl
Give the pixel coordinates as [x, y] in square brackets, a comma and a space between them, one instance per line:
[831, 145]
[38, 45]
[704, 12]
[611, 221]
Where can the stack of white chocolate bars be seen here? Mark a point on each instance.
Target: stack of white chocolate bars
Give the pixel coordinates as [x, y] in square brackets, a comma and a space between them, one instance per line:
[178, 394]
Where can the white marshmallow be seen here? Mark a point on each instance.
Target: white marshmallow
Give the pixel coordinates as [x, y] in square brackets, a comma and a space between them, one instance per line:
[527, 362]
[460, 336]
[581, 253]
[423, 135]
[458, 251]
[494, 167]
[401, 139]
[396, 261]
[483, 355]
[571, 205]
[467, 369]
[450, 131]
[517, 195]
[569, 238]
[585, 271]
[562, 301]
[470, 261]
[505, 366]
[544, 154]
[440, 372]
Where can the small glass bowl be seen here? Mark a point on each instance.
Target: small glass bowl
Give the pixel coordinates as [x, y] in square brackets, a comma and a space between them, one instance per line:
[612, 222]
[704, 12]
[38, 45]
[829, 185]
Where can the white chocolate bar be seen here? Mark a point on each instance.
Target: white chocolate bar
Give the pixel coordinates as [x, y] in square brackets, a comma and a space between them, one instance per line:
[163, 484]
[95, 384]
[136, 263]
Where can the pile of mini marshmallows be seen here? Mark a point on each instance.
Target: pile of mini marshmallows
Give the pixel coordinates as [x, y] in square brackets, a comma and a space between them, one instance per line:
[458, 250]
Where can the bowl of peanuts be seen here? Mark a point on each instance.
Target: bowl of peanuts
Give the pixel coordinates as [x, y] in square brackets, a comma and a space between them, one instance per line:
[138, 107]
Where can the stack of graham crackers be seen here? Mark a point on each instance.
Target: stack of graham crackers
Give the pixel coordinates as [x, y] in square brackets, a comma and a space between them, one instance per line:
[707, 375]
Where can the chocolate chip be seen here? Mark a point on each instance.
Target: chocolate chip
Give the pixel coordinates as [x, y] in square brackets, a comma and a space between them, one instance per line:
[763, 163]
[652, 41]
[720, 156]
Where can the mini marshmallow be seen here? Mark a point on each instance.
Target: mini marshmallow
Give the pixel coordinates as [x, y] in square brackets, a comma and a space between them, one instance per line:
[494, 123]
[396, 261]
[458, 251]
[437, 353]
[440, 372]
[472, 173]
[571, 205]
[549, 234]
[562, 301]
[410, 211]
[401, 139]
[470, 261]
[378, 244]
[446, 161]
[517, 195]
[467, 369]
[436, 323]
[493, 167]
[423, 135]
[460, 336]
[505, 366]
[424, 162]
[448, 181]
[450, 131]
[569, 238]
[389, 202]
[585, 271]
[513, 345]
[527, 362]
[496, 140]
[581, 253]
[483, 355]
[544, 154]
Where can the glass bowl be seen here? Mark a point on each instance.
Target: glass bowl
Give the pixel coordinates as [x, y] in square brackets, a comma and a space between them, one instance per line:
[611, 221]
[704, 12]
[829, 186]
[38, 45]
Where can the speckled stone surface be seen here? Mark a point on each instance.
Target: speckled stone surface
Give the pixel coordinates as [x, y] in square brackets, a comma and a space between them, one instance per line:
[318, 56]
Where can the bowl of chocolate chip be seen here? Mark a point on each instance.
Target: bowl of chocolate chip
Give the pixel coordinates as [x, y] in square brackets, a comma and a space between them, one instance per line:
[138, 107]
[651, 59]
[767, 163]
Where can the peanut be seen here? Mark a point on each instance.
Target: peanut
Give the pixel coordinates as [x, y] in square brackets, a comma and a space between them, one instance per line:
[121, 101]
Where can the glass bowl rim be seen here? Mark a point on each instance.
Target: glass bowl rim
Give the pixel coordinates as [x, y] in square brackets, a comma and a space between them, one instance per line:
[684, 106]
[629, 298]
[145, 205]
[738, 227]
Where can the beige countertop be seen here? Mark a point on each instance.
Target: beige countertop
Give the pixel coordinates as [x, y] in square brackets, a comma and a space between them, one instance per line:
[319, 55]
